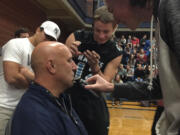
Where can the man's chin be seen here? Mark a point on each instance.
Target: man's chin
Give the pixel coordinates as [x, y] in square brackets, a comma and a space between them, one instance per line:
[102, 42]
[69, 86]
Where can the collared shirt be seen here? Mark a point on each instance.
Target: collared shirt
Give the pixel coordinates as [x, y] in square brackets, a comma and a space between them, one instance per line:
[40, 113]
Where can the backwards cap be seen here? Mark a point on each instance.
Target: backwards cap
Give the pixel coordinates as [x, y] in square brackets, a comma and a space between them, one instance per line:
[51, 29]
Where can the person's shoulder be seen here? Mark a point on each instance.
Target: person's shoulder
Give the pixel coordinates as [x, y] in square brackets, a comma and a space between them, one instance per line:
[21, 41]
[35, 97]
[15, 42]
[111, 41]
[83, 34]
[33, 104]
[34, 109]
[30, 99]
[112, 44]
[13, 45]
[11, 41]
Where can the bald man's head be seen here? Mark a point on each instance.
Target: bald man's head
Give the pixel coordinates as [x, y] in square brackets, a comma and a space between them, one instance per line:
[41, 54]
[53, 60]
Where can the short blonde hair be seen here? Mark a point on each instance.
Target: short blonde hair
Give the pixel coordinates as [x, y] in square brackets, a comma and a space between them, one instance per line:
[102, 14]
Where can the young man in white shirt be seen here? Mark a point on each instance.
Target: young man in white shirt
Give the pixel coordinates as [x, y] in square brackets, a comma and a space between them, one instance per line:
[17, 73]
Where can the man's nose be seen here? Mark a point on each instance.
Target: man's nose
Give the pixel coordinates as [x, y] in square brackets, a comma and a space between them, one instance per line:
[101, 35]
[74, 66]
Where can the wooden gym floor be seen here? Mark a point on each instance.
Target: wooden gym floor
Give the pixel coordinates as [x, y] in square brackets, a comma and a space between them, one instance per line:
[129, 118]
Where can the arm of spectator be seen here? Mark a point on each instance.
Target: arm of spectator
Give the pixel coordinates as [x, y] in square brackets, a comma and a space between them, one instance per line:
[29, 75]
[98, 83]
[112, 68]
[72, 44]
[93, 61]
[13, 76]
[138, 90]
[131, 90]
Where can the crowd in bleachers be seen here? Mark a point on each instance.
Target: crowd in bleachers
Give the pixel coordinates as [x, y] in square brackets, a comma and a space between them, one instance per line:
[135, 64]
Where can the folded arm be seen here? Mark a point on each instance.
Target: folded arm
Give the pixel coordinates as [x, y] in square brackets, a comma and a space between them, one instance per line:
[15, 75]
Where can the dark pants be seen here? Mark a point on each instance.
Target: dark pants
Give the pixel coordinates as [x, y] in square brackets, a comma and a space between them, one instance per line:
[91, 109]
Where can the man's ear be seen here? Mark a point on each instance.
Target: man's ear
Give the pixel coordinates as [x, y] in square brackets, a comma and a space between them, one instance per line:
[38, 29]
[51, 67]
[115, 28]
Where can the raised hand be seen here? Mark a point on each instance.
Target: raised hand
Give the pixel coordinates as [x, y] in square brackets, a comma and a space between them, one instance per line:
[74, 48]
[93, 60]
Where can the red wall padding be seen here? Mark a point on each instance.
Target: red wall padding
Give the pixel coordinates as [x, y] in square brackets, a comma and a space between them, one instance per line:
[18, 13]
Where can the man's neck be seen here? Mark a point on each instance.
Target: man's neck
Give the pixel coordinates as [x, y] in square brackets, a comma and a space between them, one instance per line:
[55, 91]
[33, 41]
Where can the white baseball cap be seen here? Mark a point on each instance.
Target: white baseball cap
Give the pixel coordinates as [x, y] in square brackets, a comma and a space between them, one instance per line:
[51, 29]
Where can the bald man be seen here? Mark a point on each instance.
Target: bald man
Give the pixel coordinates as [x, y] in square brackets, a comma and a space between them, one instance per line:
[44, 109]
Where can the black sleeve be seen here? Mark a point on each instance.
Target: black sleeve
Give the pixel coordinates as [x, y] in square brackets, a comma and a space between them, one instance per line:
[111, 52]
[170, 25]
[83, 35]
[115, 50]
[78, 34]
[138, 90]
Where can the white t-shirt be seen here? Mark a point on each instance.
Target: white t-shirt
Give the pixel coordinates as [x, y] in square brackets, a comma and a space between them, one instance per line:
[17, 50]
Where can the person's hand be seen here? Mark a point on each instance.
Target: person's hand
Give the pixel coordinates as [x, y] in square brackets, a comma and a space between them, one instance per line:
[74, 48]
[97, 83]
[93, 60]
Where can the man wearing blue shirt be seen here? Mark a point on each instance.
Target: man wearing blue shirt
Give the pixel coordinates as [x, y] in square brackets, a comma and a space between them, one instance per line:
[44, 109]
